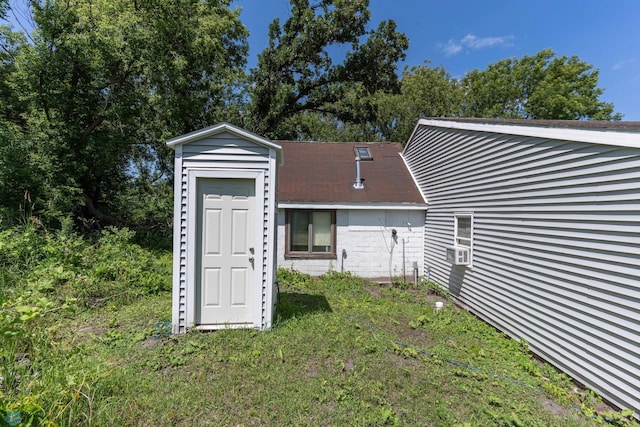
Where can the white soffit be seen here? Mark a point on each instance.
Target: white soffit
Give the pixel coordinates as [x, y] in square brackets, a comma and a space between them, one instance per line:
[359, 206]
[605, 136]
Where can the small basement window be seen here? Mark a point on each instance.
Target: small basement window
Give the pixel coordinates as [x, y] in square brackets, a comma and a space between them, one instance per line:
[364, 153]
[310, 234]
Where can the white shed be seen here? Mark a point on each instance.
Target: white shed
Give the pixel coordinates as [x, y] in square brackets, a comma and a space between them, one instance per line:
[224, 229]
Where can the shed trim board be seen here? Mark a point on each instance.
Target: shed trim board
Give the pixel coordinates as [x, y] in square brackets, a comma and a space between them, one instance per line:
[177, 243]
[270, 298]
[192, 250]
[556, 238]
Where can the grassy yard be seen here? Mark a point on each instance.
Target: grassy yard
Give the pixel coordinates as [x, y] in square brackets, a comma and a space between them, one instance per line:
[342, 352]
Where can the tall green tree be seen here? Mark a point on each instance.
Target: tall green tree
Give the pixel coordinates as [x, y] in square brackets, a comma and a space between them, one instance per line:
[105, 82]
[543, 86]
[299, 72]
[15, 172]
[316, 126]
[425, 92]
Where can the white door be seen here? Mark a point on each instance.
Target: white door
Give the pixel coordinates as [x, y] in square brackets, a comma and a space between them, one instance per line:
[225, 265]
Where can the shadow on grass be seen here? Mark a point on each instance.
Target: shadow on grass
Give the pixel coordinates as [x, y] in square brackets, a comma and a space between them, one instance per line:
[293, 304]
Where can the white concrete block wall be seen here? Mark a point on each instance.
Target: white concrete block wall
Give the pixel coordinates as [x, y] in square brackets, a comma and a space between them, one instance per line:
[365, 245]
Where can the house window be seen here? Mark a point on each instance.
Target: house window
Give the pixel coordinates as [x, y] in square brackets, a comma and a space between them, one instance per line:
[310, 234]
[462, 250]
[463, 230]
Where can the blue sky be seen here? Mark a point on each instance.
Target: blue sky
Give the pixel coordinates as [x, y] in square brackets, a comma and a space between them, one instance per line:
[463, 35]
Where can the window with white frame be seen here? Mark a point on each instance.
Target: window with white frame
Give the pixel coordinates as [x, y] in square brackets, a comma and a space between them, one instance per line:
[464, 230]
[461, 252]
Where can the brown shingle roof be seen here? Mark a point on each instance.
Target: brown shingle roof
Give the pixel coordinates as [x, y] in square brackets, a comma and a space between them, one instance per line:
[317, 172]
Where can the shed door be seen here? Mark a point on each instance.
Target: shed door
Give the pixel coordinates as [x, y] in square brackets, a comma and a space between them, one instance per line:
[226, 230]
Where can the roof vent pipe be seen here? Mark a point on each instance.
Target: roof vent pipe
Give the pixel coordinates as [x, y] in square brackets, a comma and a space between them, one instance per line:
[358, 185]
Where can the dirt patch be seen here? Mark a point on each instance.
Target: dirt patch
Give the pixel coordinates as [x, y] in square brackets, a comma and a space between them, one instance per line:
[313, 369]
[603, 407]
[435, 297]
[405, 362]
[151, 342]
[418, 337]
[373, 290]
[420, 293]
[555, 408]
[87, 332]
[348, 366]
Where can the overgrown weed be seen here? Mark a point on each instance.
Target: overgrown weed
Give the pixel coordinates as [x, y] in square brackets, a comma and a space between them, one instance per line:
[48, 278]
[342, 351]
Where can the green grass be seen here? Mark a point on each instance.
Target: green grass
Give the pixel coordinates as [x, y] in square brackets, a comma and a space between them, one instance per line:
[342, 352]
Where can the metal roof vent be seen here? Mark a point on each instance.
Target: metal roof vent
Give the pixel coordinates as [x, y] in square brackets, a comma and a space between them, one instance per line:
[359, 184]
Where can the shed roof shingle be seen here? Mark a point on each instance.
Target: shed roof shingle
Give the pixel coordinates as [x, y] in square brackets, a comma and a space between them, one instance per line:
[317, 172]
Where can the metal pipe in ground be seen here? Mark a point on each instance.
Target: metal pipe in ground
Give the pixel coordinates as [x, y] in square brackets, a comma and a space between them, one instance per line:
[404, 272]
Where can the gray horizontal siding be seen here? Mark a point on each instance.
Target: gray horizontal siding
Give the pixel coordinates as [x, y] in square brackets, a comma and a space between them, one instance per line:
[556, 245]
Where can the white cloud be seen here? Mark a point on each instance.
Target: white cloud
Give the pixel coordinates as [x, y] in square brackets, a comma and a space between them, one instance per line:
[470, 41]
[451, 48]
[622, 64]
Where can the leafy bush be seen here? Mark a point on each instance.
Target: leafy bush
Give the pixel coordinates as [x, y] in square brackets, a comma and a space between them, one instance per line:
[293, 278]
[341, 281]
[119, 270]
[45, 278]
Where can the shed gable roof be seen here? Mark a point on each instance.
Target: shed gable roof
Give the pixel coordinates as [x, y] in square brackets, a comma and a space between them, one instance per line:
[321, 172]
[221, 128]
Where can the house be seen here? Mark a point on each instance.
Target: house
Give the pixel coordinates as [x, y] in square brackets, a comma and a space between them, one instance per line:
[226, 226]
[373, 229]
[534, 226]
[224, 229]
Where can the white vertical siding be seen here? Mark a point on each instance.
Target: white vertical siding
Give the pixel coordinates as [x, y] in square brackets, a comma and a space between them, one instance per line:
[556, 245]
